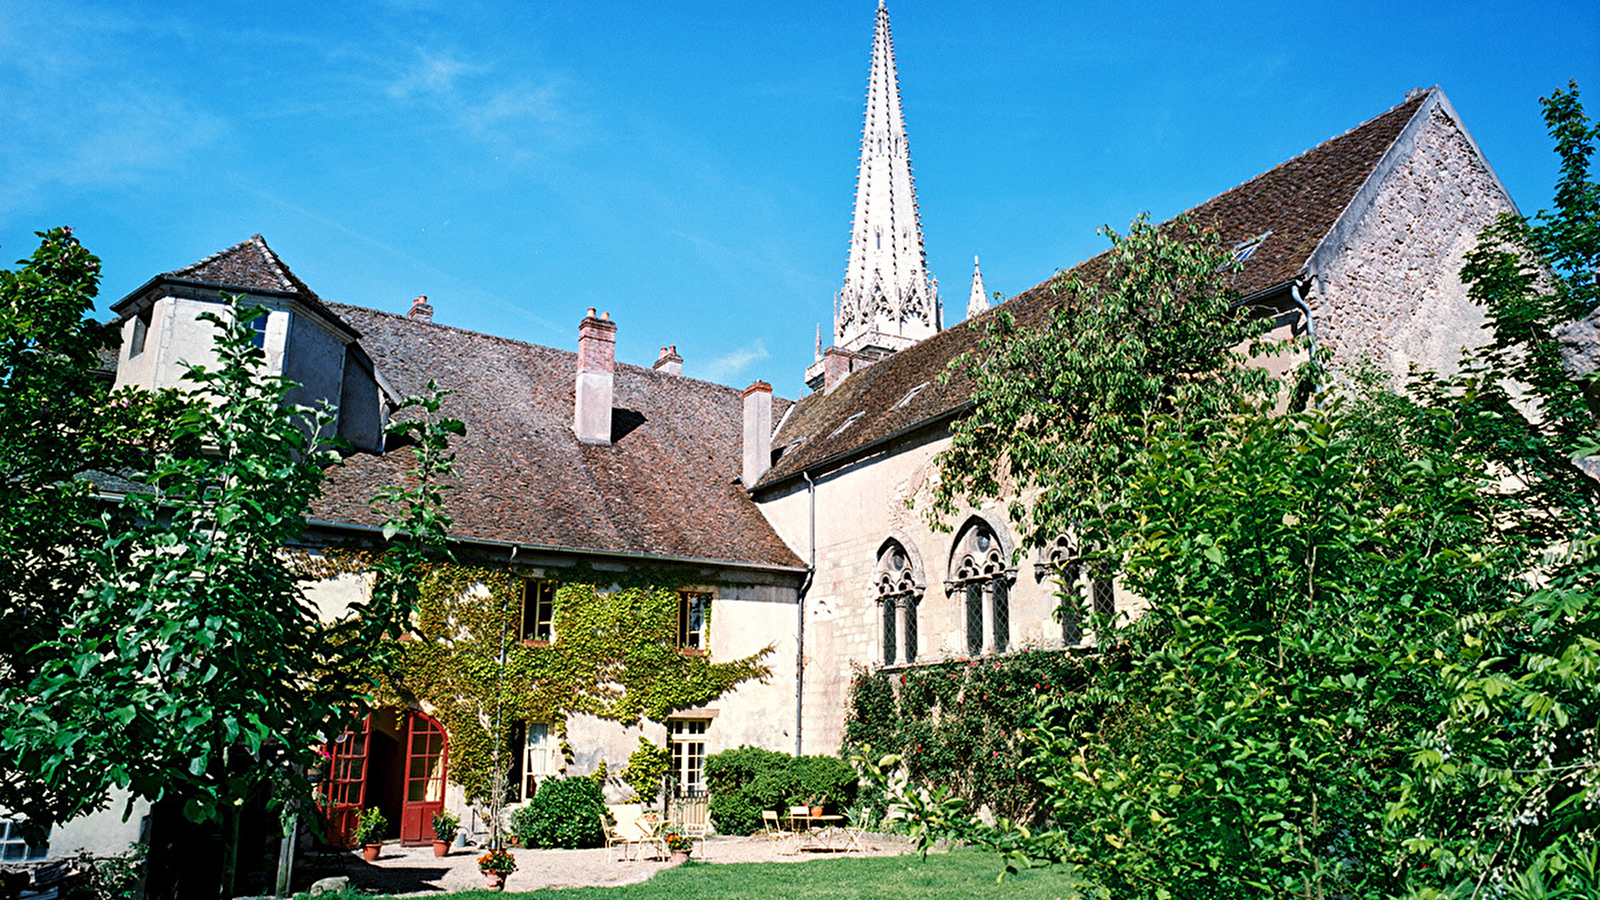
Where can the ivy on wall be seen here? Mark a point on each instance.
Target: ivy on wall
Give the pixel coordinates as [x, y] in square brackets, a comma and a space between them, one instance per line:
[962, 723]
[615, 656]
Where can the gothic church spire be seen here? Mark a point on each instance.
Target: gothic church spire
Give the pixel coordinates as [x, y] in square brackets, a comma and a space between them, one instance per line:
[888, 301]
[978, 300]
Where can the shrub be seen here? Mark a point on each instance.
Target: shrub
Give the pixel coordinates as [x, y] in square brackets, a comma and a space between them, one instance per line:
[745, 781]
[566, 812]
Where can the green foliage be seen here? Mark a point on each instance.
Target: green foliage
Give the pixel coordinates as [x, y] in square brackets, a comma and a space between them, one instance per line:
[58, 420]
[370, 826]
[960, 725]
[1061, 404]
[190, 664]
[566, 812]
[746, 780]
[445, 825]
[646, 767]
[1371, 662]
[614, 656]
[497, 861]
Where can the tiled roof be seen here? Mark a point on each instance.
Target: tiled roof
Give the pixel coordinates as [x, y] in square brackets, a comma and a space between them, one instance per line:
[249, 265]
[666, 487]
[1295, 205]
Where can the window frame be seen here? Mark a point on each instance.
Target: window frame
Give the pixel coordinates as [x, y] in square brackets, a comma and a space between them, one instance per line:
[686, 755]
[532, 751]
[694, 640]
[543, 630]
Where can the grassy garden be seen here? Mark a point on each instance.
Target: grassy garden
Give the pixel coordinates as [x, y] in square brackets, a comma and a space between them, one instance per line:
[963, 873]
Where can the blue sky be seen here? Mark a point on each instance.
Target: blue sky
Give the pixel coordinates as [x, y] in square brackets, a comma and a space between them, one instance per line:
[690, 166]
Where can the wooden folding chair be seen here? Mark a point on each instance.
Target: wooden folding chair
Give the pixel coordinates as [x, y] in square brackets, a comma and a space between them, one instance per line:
[690, 816]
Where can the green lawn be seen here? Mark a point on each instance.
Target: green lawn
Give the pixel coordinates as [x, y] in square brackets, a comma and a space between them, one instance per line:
[961, 874]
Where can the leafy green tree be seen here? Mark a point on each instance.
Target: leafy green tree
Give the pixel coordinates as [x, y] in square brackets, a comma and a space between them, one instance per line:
[57, 419]
[1371, 663]
[1146, 334]
[189, 665]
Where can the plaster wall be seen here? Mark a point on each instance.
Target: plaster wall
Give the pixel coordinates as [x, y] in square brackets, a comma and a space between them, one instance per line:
[1392, 294]
[176, 336]
[313, 358]
[103, 833]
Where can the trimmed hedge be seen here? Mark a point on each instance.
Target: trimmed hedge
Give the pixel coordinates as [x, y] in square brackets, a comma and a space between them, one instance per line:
[566, 812]
[747, 780]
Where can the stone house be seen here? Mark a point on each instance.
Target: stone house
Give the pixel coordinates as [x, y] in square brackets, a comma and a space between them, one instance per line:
[789, 520]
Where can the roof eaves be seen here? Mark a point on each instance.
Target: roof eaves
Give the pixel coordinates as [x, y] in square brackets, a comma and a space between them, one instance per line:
[835, 460]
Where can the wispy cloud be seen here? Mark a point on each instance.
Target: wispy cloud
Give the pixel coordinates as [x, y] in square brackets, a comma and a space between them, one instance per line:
[735, 362]
[490, 105]
[80, 113]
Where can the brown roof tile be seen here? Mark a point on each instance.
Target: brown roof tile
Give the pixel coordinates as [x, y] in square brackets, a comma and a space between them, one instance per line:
[666, 487]
[1295, 204]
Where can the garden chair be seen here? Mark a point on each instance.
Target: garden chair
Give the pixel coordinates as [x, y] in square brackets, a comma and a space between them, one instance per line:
[772, 828]
[634, 831]
[691, 817]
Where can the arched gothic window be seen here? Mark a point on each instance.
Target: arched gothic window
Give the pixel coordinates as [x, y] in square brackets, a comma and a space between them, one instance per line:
[898, 582]
[981, 575]
[1067, 563]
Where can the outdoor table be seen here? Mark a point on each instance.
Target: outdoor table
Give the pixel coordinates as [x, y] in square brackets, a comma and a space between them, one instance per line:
[814, 831]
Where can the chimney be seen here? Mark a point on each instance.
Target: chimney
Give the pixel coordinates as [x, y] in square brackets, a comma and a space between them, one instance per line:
[669, 362]
[757, 432]
[420, 309]
[836, 364]
[597, 358]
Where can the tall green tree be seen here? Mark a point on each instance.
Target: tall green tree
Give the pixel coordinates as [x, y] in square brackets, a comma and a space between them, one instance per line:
[1146, 335]
[1371, 661]
[189, 664]
[57, 420]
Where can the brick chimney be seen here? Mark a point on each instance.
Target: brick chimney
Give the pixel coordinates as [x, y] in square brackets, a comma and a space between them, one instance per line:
[757, 432]
[597, 359]
[669, 362]
[420, 309]
[836, 364]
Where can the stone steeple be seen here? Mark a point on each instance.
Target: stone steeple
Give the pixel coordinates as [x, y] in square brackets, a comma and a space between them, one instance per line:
[978, 300]
[888, 301]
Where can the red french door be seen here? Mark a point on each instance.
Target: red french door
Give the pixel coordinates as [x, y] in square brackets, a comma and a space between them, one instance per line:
[344, 791]
[426, 750]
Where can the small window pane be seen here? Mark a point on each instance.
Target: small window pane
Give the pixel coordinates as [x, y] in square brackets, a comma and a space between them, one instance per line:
[888, 632]
[974, 618]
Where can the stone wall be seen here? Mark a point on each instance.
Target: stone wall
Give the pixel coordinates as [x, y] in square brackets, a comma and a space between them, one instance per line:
[1390, 291]
[858, 508]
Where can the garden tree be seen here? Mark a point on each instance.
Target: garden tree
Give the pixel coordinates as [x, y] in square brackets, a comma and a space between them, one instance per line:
[1147, 332]
[189, 665]
[614, 655]
[1371, 663]
[57, 419]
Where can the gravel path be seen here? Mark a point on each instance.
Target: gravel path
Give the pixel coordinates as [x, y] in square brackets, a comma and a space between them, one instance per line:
[415, 870]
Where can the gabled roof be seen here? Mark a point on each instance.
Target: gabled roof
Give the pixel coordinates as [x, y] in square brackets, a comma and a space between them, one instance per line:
[1295, 206]
[248, 266]
[666, 487]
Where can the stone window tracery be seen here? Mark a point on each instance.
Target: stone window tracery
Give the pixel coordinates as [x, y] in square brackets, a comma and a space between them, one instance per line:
[898, 583]
[981, 574]
[1072, 568]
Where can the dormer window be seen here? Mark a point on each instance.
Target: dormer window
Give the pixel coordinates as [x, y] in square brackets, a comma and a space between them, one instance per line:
[141, 329]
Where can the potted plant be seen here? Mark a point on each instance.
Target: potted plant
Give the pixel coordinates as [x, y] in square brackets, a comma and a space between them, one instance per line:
[445, 826]
[369, 832]
[495, 866]
[817, 802]
[677, 843]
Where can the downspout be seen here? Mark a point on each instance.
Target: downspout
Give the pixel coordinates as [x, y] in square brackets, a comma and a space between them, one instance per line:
[800, 622]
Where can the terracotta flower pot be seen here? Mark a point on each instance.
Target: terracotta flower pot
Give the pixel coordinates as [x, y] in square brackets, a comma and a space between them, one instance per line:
[494, 881]
[680, 856]
[369, 852]
[816, 811]
[441, 848]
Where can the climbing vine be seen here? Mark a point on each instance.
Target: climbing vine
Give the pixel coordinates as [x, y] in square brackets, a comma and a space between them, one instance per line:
[614, 656]
[960, 724]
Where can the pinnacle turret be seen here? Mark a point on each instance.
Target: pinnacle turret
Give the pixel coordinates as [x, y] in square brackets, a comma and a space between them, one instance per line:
[978, 300]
